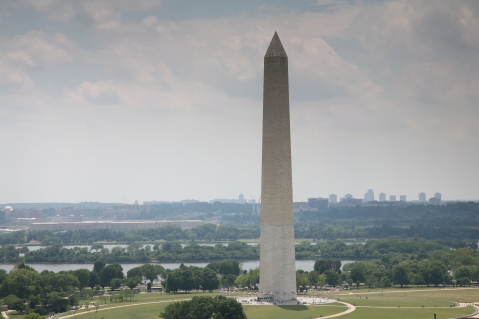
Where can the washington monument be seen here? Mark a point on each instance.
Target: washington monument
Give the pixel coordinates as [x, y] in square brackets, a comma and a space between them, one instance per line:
[277, 257]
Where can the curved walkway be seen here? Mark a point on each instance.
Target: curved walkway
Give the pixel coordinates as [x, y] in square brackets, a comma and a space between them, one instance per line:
[108, 308]
[351, 308]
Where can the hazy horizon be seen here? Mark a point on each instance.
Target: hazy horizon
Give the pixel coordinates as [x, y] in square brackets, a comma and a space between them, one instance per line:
[115, 101]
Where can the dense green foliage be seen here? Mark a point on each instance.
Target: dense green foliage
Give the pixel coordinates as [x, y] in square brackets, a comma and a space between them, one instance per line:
[23, 288]
[208, 232]
[417, 266]
[451, 214]
[176, 252]
[191, 278]
[218, 307]
[165, 252]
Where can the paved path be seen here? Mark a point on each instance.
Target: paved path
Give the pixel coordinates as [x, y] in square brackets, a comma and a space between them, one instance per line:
[5, 314]
[64, 315]
[476, 314]
[351, 308]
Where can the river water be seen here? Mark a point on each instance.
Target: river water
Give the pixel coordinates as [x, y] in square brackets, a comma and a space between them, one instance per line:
[306, 265]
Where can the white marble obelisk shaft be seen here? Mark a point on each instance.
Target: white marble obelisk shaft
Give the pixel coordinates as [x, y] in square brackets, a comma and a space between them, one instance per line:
[277, 257]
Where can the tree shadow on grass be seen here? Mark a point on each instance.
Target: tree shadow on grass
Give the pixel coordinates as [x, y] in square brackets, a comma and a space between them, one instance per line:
[294, 308]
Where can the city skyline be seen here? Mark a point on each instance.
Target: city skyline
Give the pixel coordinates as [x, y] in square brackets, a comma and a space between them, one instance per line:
[115, 102]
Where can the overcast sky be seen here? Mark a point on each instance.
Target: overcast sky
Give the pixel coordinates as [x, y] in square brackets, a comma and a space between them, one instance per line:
[116, 101]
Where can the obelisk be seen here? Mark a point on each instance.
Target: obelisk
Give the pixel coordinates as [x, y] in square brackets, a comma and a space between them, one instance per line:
[277, 257]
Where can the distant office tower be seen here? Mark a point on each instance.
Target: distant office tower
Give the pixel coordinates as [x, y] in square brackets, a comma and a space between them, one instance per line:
[348, 196]
[402, 198]
[422, 197]
[438, 195]
[392, 198]
[333, 198]
[241, 197]
[382, 197]
[319, 203]
[369, 195]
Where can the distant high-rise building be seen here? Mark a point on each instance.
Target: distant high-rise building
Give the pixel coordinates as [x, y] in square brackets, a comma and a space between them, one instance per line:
[438, 195]
[348, 196]
[241, 197]
[402, 198]
[382, 197]
[369, 196]
[392, 198]
[333, 198]
[422, 197]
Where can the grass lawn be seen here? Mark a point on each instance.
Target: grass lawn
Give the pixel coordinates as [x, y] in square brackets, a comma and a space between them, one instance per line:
[396, 299]
[419, 313]
[367, 308]
[148, 311]
[293, 312]
[458, 294]
[151, 311]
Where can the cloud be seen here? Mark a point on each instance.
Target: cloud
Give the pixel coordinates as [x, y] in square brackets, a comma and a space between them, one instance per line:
[102, 14]
[386, 88]
[22, 56]
[317, 65]
[100, 93]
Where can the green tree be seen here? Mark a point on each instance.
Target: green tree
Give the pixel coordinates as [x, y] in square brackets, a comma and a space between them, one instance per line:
[110, 272]
[94, 279]
[416, 279]
[400, 275]
[209, 280]
[115, 283]
[332, 277]
[436, 272]
[14, 303]
[21, 283]
[228, 280]
[228, 308]
[322, 265]
[132, 282]
[219, 307]
[83, 276]
[229, 267]
[98, 266]
[385, 282]
[357, 273]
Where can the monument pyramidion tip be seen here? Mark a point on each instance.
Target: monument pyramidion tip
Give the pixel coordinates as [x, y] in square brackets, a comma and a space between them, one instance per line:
[275, 47]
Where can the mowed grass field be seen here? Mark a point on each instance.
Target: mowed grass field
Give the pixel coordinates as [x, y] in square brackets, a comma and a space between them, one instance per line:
[151, 311]
[407, 313]
[378, 305]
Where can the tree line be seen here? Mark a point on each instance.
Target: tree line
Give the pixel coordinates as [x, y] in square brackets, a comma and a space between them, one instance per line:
[378, 214]
[211, 232]
[176, 252]
[25, 290]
